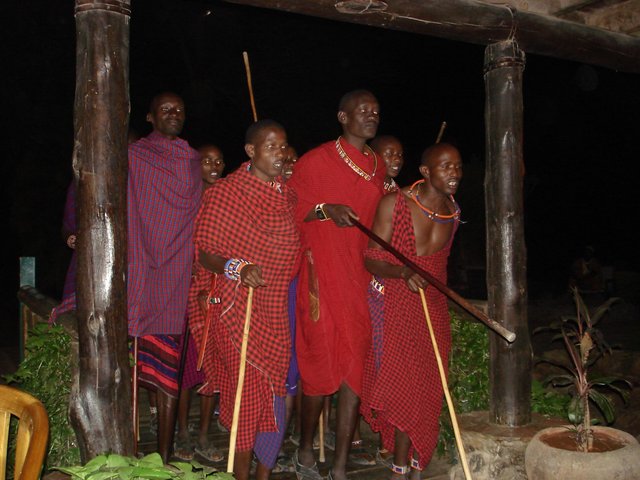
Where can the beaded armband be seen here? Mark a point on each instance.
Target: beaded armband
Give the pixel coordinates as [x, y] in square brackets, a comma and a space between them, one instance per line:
[233, 267]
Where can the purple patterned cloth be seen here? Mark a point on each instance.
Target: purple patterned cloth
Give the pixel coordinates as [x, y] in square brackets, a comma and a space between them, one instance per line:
[164, 192]
[267, 446]
[191, 377]
[293, 375]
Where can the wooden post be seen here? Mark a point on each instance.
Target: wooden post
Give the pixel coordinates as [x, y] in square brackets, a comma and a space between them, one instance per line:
[510, 364]
[100, 407]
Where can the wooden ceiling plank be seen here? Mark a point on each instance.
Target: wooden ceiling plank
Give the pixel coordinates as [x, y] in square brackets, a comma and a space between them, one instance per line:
[483, 23]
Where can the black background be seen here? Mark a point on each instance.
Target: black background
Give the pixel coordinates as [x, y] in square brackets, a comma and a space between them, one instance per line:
[580, 143]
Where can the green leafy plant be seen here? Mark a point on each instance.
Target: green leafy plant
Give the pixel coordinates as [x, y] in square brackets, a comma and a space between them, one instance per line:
[547, 401]
[113, 466]
[585, 344]
[468, 377]
[45, 374]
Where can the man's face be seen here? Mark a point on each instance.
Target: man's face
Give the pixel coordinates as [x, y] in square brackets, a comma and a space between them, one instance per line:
[444, 171]
[212, 163]
[167, 116]
[361, 117]
[268, 153]
[289, 161]
[392, 154]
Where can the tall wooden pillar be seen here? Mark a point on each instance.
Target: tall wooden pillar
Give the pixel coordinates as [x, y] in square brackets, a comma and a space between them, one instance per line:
[101, 397]
[510, 364]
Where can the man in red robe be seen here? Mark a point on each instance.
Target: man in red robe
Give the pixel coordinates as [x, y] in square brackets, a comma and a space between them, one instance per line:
[246, 234]
[402, 393]
[337, 181]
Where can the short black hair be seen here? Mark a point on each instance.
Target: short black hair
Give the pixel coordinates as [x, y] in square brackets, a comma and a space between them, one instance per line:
[256, 128]
[375, 143]
[154, 101]
[435, 149]
[349, 96]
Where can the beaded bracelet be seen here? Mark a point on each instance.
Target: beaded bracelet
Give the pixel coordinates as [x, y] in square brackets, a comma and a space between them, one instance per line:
[233, 267]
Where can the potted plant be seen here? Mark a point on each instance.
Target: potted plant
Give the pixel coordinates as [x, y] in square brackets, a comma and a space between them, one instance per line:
[582, 450]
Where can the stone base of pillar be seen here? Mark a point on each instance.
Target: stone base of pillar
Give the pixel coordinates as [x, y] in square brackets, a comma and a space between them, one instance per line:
[496, 452]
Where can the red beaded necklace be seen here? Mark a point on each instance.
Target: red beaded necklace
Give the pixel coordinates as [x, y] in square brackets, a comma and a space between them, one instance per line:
[430, 214]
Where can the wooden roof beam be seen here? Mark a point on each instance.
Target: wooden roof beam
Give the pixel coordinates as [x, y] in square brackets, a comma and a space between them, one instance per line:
[481, 23]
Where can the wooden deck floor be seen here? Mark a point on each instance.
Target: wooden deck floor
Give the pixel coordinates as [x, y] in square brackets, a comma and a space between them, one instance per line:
[437, 470]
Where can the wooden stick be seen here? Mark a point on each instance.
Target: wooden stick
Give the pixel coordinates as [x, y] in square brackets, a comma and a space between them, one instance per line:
[249, 84]
[321, 456]
[243, 366]
[134, 396]
[445, 387]
[492, 324]
[441, 132]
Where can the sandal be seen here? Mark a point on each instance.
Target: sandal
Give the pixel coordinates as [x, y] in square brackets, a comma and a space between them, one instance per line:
[209, 452]
[284, 464]
[384, 457]
[303, 472]
[183, 449]
[359, 455]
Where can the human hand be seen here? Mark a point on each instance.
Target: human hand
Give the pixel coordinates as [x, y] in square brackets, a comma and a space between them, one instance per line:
[414, 281]
[251, 276]
[340, 214]
[71, 241]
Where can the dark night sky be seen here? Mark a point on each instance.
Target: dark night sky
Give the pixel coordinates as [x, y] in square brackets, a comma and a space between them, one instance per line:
[581, 122]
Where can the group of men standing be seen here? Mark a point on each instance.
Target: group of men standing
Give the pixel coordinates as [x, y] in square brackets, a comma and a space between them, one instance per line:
[252, 231]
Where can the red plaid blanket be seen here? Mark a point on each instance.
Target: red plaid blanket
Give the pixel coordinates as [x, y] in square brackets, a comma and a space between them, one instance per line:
[244, 217]
[406, 390]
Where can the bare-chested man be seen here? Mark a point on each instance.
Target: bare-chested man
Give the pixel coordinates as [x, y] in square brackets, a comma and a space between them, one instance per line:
[420, 222]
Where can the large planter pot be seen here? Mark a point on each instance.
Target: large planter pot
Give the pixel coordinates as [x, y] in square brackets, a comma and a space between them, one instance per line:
[547, 457]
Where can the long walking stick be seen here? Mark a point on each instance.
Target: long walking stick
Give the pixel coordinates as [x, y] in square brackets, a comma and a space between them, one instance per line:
[134, 397]
[243, 366]
[508, 335]
[250, 85]
[321, 456]
[441, 132]
[445, 387]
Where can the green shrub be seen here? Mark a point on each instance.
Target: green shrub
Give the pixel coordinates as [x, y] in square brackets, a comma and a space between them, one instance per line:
[45, 373]
[468, 378]
[114, 466]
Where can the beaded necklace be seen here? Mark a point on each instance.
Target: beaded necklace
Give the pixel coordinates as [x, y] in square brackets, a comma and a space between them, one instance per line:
[430, 214]
[353, 165]
[390, 186]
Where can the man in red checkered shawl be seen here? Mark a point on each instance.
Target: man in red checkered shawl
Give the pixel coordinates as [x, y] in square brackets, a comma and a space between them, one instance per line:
[245, 233]
[402, 392]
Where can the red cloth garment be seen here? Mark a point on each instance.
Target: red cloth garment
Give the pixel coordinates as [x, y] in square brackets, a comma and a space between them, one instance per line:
[244, 217]
[204, 294]
[406, 390]
[164, 192]
[331, 350]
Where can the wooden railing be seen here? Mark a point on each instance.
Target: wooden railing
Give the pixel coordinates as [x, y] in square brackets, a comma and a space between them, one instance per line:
[35, 307]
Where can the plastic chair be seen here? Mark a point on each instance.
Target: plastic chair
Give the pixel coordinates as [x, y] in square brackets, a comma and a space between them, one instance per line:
[32, 436]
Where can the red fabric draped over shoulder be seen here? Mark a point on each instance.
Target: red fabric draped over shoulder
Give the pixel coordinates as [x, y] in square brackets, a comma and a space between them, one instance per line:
[405, 390]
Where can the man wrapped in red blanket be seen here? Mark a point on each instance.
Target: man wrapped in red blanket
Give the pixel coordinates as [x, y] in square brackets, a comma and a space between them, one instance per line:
[246, 231]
